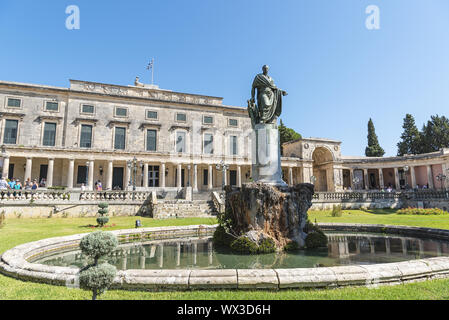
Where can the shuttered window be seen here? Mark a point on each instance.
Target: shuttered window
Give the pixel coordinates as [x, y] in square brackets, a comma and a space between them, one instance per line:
[86, 136]
[151, 140]
[120, 138]
[11, 127]
[49, 134]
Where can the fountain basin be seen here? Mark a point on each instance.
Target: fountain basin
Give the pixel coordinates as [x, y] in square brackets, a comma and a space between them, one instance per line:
[16, 263]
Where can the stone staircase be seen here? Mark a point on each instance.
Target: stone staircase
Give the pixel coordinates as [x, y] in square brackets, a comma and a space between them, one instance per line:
[184, 209]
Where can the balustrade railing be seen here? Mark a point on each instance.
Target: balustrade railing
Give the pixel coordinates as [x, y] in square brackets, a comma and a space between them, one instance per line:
[142, 196]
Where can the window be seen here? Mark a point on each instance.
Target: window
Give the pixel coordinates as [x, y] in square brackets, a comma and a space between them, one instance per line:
[205, 177]
[14, 103]
[233, 123]
[120, 138]
[121, 112]
[208, 120]
[151, 140]
[208, 143]
[11, 127]
[181, 142]
[233, 147]
[49, 134]
[153, 176]
[152, 115]
[52, 106]
[181, 117]
[86, 136]
[82, 175]
[86, 108]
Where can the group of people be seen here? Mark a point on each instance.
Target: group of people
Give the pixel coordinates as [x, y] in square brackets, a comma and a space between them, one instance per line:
[15, 184]
[98, 186]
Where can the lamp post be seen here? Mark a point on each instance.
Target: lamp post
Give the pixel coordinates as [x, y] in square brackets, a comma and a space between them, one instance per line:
[189, 167]
[87, 174]
[406, 170]
[312, 180]
[132, 165]
[223, 168]
[441, 177]
[356, 182]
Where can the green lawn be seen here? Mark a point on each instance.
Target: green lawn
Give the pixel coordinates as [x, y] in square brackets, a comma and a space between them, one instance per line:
[18, 231]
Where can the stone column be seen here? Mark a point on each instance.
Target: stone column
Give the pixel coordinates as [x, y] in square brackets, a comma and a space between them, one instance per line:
[51, 166]
[211, 186]
[396, 179]
[70, 173]
[161, 255]
[90, 183]
[290, 176]
[110, 175]
[162, 175]
[5, 172]
[128, 177]
[28, 168]
[366, 178]
[351, 177]
[239, 176]
[178, 254]
[430, 177]
[413, 176]
[195, 178]
[179, 177]
[381, 179]
[145, 175]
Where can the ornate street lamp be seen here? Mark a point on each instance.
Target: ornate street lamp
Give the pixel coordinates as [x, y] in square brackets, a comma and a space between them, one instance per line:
[312, 180]
[132, 165]
[406, 170]
[189, 167]
[223, 168]
[356, 182]
[441, 177]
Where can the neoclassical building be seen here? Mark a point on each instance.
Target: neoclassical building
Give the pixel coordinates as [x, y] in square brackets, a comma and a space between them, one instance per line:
[152, 138]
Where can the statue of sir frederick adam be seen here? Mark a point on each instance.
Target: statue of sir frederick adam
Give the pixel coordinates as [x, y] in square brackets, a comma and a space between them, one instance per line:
[269, 99]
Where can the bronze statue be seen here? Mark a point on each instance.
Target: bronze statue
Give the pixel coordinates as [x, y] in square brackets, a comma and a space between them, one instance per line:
[269, 99]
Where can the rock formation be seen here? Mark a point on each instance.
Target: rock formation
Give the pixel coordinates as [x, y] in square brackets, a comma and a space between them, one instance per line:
[259, 211]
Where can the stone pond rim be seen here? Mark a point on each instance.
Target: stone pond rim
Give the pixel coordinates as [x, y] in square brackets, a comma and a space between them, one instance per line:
[14, 263]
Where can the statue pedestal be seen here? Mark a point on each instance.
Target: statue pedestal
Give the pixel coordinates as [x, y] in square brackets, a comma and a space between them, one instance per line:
[266, 153]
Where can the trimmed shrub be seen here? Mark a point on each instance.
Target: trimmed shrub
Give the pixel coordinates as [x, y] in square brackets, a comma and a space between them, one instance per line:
[337, 211]
[316, 239]
[291, 246]
[98, 244]
[221, 238]
[267, 246]
[245, 246]
[103, 212]
[97, 279]
[422, 212]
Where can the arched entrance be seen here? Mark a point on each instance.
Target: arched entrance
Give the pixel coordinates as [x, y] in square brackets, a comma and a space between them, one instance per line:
[323, 169]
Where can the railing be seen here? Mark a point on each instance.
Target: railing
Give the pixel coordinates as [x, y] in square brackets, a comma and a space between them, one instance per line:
[25, 195]
[138, 196]
[44, 196]
[218, 202]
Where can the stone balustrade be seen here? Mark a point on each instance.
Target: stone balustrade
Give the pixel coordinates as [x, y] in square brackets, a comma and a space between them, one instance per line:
[142, 196]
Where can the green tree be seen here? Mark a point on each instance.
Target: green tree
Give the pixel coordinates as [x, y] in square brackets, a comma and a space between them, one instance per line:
[97, 277]
[287, 134]
[435, 134]
[373, 149]
[410, 139]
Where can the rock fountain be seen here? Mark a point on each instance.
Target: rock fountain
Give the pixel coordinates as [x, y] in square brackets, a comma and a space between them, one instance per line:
[267, 209]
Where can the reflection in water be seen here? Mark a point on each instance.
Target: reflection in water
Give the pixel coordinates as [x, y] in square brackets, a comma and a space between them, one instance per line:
[343, 249]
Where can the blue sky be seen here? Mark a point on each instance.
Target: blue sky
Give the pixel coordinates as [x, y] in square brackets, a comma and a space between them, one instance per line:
[337, 72]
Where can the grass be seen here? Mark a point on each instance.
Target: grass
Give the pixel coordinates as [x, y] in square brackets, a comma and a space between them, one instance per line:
[19, 231]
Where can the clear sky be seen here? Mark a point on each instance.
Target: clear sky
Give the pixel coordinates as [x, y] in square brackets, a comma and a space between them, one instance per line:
[337, 72]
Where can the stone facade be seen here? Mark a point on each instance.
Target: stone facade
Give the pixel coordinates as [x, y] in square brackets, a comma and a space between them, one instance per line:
[176, 139]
